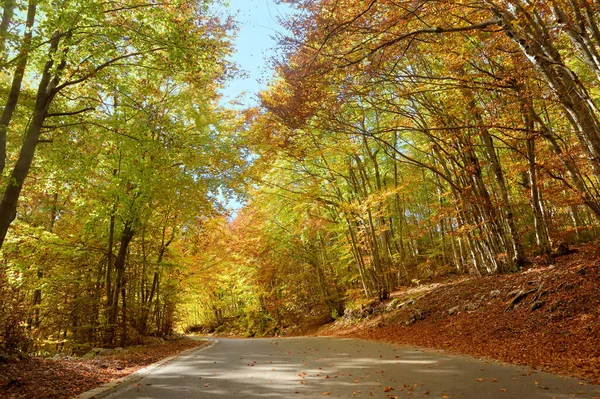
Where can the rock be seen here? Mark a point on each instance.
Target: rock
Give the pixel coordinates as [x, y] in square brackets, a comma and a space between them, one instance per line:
[569, 287]
[393, 303]
[419, 315]
[58, 356]
[410, 321]
[153, 341]
[471, 306]
[536, 305]
[375, 307]
[518, 298]
[453, 311]
[105, 352]
[378, 310]
[562, 249]
[100, 352]
[354, 314]
[89, 355]
[416, 316]
[495, 293]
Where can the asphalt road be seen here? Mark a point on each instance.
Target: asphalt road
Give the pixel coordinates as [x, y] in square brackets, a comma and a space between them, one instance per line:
[336, 368]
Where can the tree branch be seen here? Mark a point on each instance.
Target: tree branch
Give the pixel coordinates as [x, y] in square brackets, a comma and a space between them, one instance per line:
[81, 111]
[103, 66]
[437, 30]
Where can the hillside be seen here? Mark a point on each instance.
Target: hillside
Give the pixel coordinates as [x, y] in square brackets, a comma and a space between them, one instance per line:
[545, 316]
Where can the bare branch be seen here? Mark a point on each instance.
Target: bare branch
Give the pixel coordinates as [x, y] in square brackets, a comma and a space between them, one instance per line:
[81, 111]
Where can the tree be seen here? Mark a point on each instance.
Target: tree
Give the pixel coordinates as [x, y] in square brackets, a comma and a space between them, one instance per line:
[130, 150]
[82, 42]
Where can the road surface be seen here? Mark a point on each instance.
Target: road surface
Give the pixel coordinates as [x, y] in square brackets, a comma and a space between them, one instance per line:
[342, 368]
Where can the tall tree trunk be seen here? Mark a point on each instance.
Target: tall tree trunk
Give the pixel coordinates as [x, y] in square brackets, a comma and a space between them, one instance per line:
[147, 304]
[525, 27]
[490, 152]
[507, 209]
[126, 238]
[15, 89]
[8, 11]
[578, 183]
[124, 313]
[109, 260]
[37, 293]
[539, 221]
[581, 30]
[45, 94]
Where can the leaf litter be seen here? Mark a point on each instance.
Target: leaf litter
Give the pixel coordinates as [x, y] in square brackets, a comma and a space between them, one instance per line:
[64, 378]
[545, 317]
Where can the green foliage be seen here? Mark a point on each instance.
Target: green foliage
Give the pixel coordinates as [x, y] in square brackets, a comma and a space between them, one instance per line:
[130, 156]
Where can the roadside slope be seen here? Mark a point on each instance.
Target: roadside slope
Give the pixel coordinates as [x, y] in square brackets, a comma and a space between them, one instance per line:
[546, 316]
[67, 377]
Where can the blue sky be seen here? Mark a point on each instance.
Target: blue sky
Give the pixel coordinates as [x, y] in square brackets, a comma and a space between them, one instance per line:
[255, 43]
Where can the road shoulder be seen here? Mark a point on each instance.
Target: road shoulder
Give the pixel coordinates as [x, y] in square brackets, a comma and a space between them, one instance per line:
[124, 382]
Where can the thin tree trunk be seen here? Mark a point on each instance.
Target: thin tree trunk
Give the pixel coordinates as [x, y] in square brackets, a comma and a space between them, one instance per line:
[490, 152]
[126, 238]
[109, 261]
[539, 221]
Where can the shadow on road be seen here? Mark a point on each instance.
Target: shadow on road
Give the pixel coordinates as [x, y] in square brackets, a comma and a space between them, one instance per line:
[323, 367]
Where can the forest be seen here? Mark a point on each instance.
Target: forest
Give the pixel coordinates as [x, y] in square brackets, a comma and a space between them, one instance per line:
[397, 142]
